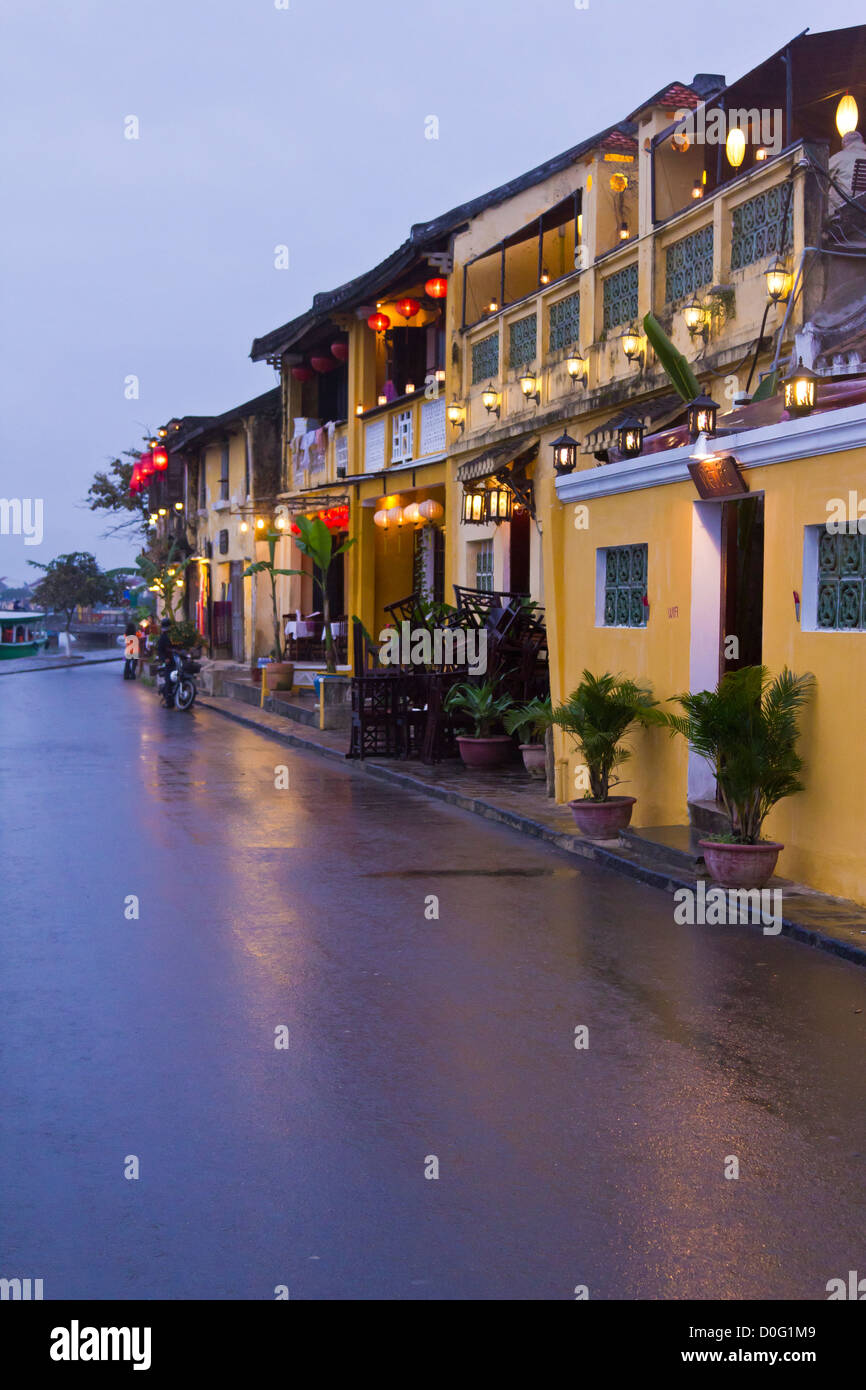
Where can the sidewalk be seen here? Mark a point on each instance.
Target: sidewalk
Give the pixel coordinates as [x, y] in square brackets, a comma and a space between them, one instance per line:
[510, 797]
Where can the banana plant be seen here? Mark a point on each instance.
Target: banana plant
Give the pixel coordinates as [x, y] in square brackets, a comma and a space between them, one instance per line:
[680, 374]
[317, 542]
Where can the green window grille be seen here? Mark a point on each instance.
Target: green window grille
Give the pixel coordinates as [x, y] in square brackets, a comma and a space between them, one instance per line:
[756, 228]
[565, 322]
[625, 572]
[484, 567]
[522, 338]
[689, 265]
[485, 359]
[620, 297]
[841, 581]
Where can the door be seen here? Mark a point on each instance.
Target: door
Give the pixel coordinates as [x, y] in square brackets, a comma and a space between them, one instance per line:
[518, 553]
[741, 637]
[236, 583]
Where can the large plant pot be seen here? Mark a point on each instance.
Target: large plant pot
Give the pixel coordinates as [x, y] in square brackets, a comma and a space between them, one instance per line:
[535, 759]
[492, 751]
[279, 675]
[741, 866]
[602, 820]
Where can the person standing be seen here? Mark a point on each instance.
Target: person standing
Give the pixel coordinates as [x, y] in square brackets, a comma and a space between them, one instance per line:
[131, 652]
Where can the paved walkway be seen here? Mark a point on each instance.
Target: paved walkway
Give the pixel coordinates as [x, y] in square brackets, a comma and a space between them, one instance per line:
[511, 798]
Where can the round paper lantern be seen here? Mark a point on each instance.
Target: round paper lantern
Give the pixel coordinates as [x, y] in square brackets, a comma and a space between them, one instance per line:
[735, 147]
[380, 518]
[407, 308]
[302, 373]
[340, 350]
[437, 288]
[412, 514]
[135, 480]
[160, 459]
[431, 510]
[395, 516]
[145, 463]
[322, 364]
[378, 322]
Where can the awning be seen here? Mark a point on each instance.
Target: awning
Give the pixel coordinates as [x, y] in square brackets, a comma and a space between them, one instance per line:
[500, 456]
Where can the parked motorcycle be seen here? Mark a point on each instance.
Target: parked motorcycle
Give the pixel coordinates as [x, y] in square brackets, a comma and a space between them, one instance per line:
[179, 688]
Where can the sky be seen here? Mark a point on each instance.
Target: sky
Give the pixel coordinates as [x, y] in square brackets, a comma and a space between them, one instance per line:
[266, 123]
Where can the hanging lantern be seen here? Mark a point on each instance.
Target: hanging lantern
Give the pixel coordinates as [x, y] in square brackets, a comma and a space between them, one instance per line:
[160, 459]
[474, 506]
[319, 363]
[431, 510]
[145, 463]
[799, 390]
[490, 399]
[632, 343]
[380, 518]
[407, 308]
[695, 316]
[500, 500]
[778, 280]
[395, 515]
[629, 436]
[735, 147]
[846, 115]
[701, 415]
[564, 454]
[302, 373]
[577, 366]
[378, 322]
[437, 288]
[340, 350]
[411, 514]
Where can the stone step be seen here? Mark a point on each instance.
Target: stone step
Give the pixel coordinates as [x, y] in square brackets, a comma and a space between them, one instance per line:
[708, 817]
[670, 844]
[291, 704]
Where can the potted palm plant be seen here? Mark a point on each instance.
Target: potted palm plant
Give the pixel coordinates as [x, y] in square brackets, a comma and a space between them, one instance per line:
[533, 719]
[747, 730]
[597, 716]
[485, 710]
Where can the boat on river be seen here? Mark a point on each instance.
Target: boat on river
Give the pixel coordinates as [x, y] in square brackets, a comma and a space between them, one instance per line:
[21, 634]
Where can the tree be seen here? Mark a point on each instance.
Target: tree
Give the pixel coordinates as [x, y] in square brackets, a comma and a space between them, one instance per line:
[316, 541]
[163, 570]
[72, 580]
[109, 492]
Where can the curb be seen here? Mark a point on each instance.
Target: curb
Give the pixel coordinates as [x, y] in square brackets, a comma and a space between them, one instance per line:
[668, 880]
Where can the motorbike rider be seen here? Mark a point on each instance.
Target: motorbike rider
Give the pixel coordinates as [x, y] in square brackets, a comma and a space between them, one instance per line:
[165, 653]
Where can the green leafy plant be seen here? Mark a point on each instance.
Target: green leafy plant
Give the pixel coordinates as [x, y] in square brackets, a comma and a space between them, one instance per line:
[185, 634]
[597, 716]
[747, 730]
[534, 717]
[70, 581]
[163, 569]
[317, 542]
[482, 706]
[680, 374]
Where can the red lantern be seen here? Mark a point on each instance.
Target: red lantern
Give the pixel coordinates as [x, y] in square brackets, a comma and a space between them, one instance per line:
[160, 459]
[135, 480]
[323, 364]
[340, 350]
[378, 322]
[145, 463]
[437, 288]
[303, 373]
[407, 308]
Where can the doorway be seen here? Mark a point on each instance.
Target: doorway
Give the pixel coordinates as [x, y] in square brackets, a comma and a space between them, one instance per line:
[518, 553]
[236, 590]
[742, 589]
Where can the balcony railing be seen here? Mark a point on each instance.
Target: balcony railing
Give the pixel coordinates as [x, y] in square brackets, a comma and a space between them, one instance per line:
[408, 431]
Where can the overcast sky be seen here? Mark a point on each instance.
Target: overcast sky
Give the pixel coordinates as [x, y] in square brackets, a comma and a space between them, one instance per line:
[261, 126]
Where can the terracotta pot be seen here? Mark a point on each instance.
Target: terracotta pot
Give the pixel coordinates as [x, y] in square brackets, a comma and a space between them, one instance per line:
[602, 820]
[485, 752]
[534, 759]
[279, 675]
[741, 866]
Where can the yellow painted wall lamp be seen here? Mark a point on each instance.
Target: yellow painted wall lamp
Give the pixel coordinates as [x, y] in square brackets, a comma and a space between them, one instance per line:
[456, 415]
[529, 386]
[577, 367]
[490, 400]
[633, 345]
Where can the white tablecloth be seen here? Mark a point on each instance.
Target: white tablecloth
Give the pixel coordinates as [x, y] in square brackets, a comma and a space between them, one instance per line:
[303, 627]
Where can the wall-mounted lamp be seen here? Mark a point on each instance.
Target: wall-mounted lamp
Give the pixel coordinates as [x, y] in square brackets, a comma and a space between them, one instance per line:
[490, 400]
[456, 415]
[629, 436]
[564, 454]
[701, 415]
[178, 506]
[799, 390]
[544, 277]
[778, 279]
[493, 307]
[500, 500]
[577, 367]
[474, 509]
[697, 190]
[529, 386]
[632, 344]
[624, 232]
[244, 527]
[697, 318]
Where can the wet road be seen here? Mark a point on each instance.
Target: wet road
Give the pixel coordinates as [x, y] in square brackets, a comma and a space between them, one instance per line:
[262, 908]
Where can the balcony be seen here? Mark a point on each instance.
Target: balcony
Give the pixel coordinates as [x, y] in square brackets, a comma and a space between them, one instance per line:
[408, 430]
[318, 454]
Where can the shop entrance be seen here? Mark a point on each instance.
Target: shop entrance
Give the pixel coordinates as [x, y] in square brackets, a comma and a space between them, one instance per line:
[742, 587]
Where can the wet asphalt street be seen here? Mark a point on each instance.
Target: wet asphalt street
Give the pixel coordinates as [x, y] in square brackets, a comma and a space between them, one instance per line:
[408, 1038]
